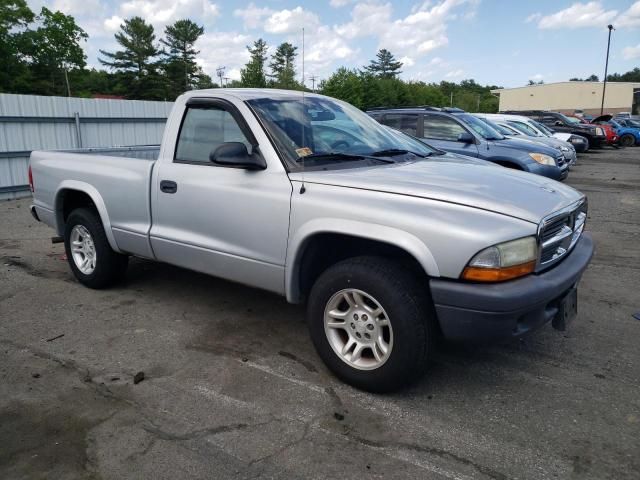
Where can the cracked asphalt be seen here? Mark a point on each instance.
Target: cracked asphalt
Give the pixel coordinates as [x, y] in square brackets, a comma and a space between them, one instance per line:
[233, 388]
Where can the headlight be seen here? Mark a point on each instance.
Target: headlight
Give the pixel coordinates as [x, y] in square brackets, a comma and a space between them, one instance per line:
[599, 131]
[543, 159]
[504, 261]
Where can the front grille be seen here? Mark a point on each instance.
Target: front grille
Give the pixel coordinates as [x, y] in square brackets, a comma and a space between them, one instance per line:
[559, 232]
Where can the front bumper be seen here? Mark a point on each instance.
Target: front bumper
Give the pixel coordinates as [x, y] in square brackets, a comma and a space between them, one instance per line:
[485, 312]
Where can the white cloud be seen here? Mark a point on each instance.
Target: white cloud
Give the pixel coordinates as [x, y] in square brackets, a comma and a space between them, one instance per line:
[339, 3]
[77, 8]
[163, 12]
[366, 19]
[630, 53]
[435, 61]
[455, 73]
[253, 15]
[407, 61]
[223, 49]
[578, 15]
[537, 77]
[113, 24]
[289, 21]
[534, 17]
[420, 32]
[629, 18]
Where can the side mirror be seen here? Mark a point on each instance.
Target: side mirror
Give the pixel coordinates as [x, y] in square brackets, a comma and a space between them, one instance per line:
[466, 137]
[557, 123]
[236, 155]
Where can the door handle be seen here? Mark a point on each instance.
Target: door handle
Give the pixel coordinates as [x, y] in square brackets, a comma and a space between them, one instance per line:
[168, 186]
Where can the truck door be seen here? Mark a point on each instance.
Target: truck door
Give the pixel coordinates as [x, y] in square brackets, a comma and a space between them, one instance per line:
[444, 133]
[224, 221]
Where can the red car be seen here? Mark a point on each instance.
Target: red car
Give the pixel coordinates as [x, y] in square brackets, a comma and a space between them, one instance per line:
[612, 136]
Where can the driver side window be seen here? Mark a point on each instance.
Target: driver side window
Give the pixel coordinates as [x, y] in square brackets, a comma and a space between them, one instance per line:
[203, 130]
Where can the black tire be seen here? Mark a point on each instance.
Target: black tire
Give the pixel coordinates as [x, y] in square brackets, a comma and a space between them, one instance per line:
[409, 309]
[627, 140]
[110, 266]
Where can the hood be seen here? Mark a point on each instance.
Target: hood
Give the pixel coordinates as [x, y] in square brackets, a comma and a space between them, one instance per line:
[456, 179]
[526, 145]
[602, 118]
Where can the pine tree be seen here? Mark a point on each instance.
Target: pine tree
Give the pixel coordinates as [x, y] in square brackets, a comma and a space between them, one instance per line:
[136, 61]
[253, 75]
[179, 61]
[282, 69]
[385, 66]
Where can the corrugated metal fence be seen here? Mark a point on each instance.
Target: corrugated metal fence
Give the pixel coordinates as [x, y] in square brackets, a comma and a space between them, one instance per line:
[31, 122]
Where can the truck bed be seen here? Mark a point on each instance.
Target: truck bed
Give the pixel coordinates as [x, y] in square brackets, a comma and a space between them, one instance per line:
[117, 179]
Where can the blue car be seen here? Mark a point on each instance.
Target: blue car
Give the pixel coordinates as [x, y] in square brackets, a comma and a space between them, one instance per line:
[454, 130]
[628, 136]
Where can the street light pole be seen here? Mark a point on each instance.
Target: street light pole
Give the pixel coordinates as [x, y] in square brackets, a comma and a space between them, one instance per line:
[606, 67]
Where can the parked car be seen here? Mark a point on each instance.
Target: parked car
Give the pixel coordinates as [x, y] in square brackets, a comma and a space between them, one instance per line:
[609, 131]
[514, 130]
[454, 130]
[628, 122]
[559, 122]
[388, 241]
[580, 143]
[629, 136]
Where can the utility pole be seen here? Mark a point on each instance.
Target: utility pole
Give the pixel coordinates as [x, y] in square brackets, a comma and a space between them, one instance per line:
[606, 67]
[478, 109]
[313, 79]
[66, 78]
[226, 81]
[220, 73]
[451, 98]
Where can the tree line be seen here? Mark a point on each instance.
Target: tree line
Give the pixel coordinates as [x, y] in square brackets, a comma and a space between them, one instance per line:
[42, 54]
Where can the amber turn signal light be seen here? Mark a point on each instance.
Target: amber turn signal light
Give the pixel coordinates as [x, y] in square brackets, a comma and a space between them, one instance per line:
[479, 274]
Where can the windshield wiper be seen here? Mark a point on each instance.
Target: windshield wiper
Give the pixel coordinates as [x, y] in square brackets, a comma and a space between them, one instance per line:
[337, 156]
[390, 152]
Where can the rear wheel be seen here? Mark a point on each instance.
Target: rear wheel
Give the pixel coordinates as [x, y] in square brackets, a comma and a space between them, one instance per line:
[371, 323]
[627, 140]
[92, 260]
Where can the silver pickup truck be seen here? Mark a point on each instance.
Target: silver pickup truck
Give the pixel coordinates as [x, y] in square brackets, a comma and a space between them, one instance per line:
[391, 243]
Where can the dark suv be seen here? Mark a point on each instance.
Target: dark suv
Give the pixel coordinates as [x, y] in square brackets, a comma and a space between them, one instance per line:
[559, 122]
[454, 130]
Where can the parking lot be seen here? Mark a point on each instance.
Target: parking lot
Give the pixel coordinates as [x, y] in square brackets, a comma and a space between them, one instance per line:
[233, 388]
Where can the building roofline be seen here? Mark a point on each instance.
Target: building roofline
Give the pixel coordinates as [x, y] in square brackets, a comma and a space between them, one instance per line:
[498, 90]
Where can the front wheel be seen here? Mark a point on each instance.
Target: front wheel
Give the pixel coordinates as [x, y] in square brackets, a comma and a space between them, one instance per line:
[93, 262]
[627, 140]
[371, 323]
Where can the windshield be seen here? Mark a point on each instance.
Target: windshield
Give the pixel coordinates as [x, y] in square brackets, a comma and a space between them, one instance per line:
[542, 127]
[524, 128]
[328, 131]
[632, 123]
[482, 127]
[501, 128]
[573, 119]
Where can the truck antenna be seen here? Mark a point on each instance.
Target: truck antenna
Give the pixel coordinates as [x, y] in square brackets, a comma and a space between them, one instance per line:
[302, 187]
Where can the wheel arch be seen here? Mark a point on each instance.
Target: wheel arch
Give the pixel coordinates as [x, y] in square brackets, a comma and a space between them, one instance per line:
[323, 242]
[73, 194]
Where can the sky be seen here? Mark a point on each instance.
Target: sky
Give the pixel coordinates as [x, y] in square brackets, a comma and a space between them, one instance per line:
[495, 42]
